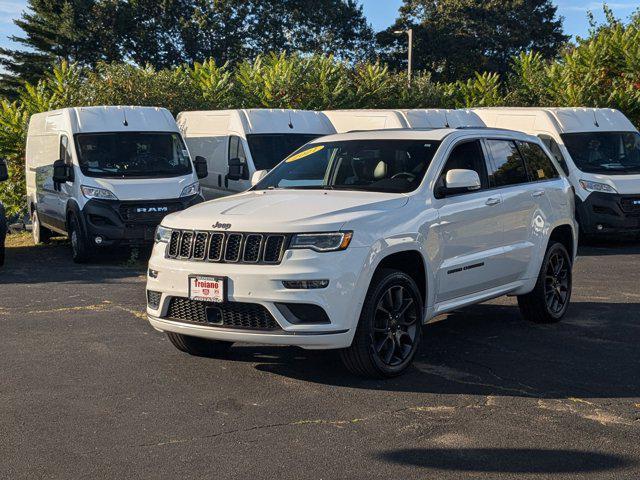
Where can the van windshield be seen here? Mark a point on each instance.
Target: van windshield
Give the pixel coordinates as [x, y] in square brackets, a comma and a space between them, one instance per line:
[268, 150]
[605, 152]
[132, 154]
[396, 166]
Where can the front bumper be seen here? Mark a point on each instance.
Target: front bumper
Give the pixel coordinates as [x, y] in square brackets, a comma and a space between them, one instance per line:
[119, 222]
[341, 300]
[607, 213]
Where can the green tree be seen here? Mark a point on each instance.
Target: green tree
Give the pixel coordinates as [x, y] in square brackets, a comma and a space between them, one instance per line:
[455, 38]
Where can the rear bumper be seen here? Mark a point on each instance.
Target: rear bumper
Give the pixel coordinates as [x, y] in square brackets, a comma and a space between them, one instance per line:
[113, 221]
[606, 213]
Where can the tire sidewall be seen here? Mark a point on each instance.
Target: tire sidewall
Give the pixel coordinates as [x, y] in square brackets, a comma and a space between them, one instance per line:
[556, 247]
[35, 228]
[79, 249]
[367, 319]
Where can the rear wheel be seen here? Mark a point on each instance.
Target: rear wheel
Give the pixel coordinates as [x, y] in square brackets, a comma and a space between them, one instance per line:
[39, 233]
[200, 347]
[80, 248]
[549, 300]
[388, 333]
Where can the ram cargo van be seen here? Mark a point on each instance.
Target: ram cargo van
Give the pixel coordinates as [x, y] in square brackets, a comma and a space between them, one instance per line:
[598, 149]
[107, 175]
[238, 143]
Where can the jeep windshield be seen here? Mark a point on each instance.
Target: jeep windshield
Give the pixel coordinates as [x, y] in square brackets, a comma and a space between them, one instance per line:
[396, 166]
[615, 153]
[267, 150]
[132, 154]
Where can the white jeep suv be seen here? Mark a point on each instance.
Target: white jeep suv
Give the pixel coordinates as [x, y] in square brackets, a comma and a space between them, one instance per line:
[356, 240]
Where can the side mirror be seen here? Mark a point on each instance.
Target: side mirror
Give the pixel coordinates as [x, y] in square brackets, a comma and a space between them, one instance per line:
[200, 164]
[4, 171]
[237, 169]
[60, 172]
[257, 176]
[459, 179]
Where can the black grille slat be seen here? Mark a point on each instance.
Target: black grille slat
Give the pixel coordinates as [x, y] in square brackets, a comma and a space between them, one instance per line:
[153, 299]
[234, 315]
[200, 245]
[273, 248]
[628, 204]
[252, 246]
[174, 244]
[227, 247]
[232, 247]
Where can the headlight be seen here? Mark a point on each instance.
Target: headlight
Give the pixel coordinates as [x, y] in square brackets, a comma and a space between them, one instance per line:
[590, 186]
[322, 242]
[163, 234]
[189, 190]
[99, 193]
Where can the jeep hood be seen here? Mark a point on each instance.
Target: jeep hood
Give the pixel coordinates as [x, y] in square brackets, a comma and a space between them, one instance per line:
[285, 211]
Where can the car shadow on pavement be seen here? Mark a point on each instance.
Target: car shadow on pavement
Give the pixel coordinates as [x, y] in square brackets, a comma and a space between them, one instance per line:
[489, 349]
[610, 247]
[507, 460]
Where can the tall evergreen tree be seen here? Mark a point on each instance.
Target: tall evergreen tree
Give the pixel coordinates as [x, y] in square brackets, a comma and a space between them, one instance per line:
[454, 38]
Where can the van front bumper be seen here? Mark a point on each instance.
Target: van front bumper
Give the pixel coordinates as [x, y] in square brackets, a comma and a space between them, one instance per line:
[608, 213]
[261, 287]
[129, 222]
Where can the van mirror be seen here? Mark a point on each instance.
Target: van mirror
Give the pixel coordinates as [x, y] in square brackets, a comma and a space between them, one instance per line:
[200, 164]
[4, 171]
[59, 171]
[257, 176]
[237, 169]
[460, 179]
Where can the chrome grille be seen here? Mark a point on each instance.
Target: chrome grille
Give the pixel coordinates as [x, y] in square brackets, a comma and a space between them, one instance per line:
[227, 247]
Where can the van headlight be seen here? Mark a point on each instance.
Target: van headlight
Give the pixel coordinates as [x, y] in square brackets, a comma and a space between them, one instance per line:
[322, 242]
[590, 186]
[163, 234]
[190, 190]
[97, 193]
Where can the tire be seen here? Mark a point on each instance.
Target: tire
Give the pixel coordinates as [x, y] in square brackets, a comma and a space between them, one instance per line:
[199, 347]
[388, 333]
[549, 300]
[81, 251]
[39, 233]
[2, 239]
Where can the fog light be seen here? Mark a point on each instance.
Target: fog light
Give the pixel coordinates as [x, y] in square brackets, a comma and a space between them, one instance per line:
[153, 273]
[600, 227]
[305, 284]
[99, 240]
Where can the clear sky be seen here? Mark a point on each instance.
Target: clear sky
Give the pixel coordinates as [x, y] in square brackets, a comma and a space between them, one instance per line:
[381, 13]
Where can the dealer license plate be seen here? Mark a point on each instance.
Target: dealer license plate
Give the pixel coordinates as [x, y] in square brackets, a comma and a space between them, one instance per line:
[206, 289]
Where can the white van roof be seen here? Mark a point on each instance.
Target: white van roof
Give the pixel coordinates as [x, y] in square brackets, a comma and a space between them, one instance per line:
[354, 120]
[254, 121]
[103, 119]
[562, 120]
[441, 118]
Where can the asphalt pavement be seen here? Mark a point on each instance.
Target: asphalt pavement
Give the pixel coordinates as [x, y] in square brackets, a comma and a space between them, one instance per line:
[89, 390]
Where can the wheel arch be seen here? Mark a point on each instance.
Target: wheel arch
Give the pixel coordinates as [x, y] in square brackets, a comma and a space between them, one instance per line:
[564, 234]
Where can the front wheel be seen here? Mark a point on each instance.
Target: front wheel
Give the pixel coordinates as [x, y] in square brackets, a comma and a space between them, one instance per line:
[199, 347]
[80, 249]
[549, 300]
[388, 333]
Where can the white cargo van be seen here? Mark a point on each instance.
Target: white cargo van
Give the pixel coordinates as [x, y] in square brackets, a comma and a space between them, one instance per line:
[107, 175]
[359, 120]
[237, 143]
[599, 150]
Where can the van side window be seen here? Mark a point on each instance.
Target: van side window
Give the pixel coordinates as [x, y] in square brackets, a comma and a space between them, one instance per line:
[508, 166]
[65, 154]
[538, 163]
[553, 147]
[466, 156]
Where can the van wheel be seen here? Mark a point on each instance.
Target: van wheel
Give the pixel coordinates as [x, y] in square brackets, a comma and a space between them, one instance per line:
[39, 233]
[549, 300]
[80, 249]
[199, 347]
[388, 333]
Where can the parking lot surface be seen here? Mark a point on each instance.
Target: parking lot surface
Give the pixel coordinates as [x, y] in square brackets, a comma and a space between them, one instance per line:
[90, 390]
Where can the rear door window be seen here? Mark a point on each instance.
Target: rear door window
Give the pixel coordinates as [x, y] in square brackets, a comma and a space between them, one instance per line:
[538, 163]
[507, 166]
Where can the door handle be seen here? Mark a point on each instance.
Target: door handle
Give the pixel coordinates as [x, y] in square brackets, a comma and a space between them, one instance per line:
[493, 201]
[539, 193]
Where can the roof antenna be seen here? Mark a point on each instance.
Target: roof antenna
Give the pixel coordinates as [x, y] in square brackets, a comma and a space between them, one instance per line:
[446, 120]
[595, 119]
[125, 123]
[290, 121]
